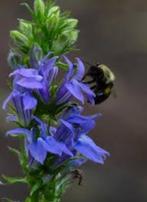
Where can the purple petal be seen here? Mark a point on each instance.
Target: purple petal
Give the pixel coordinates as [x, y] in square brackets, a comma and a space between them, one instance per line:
[29, 102]
[65, 134]
[30, 83]
[72, 111]
[44, 92]
[63, 95]
[86, 89]
[51, 145]
[28, 73]
[43, 126]
[52, 130]
[80, 70]
[64, 149]
[68, 125]
[90, 150]
[58, 147]
[48, 69]
[88, 92]
[37, 151]
[85, 122]
[75, 90]
[70, 70]
[20, 131]
[52, 75]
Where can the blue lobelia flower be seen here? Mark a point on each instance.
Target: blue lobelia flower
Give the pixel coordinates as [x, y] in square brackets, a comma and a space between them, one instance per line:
[72, 85]
[40, 143]
[82, 123]
[37, 80]
[86, 146]
[73, 133]
[23, 104]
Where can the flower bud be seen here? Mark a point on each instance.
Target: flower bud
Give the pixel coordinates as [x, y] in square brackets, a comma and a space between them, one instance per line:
[53, 10]
[72, 36]
[19, 38]
[39, 9]
[72, 23]
[25, 27]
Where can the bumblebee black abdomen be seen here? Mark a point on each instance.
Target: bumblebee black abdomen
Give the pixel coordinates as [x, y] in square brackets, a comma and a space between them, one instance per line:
[101, 80]
[103, 93]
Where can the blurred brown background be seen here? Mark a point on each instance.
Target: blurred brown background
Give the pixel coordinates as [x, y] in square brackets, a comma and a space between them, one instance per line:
[113, 32]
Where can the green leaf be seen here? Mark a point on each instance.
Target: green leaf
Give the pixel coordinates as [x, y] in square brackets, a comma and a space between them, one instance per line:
[36, 187]
[28, 7]
[15, 151]
[22, 157]
[14, 180]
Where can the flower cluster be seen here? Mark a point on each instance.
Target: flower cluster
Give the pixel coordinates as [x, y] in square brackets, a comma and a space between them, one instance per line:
[48, 115]
[47, 102]
[48, 112]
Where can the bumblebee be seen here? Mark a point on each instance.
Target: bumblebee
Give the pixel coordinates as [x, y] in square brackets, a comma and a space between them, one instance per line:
[101, 80]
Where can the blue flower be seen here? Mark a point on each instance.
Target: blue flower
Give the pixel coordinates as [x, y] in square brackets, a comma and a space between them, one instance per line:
[38, 146]
[73, 133]
[82, 123]
[86, 146]
[37, 80]
[72, 85]
[24, 104]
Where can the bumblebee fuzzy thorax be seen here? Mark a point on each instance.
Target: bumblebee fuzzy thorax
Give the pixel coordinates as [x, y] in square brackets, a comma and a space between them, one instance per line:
[110, 77]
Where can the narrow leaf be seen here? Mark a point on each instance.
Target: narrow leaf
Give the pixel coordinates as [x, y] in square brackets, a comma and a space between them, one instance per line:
[14, 180]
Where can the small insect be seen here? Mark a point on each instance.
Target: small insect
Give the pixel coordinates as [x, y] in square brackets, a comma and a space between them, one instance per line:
[77, 174]
[101, 81]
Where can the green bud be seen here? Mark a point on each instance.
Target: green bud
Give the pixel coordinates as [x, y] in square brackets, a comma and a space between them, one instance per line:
[72, 23]
[53, 17]
[59, 45]
[72, 36]
[39, 9]
[26, 28]
[52, 10]
[50, 29]
[19, 38]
